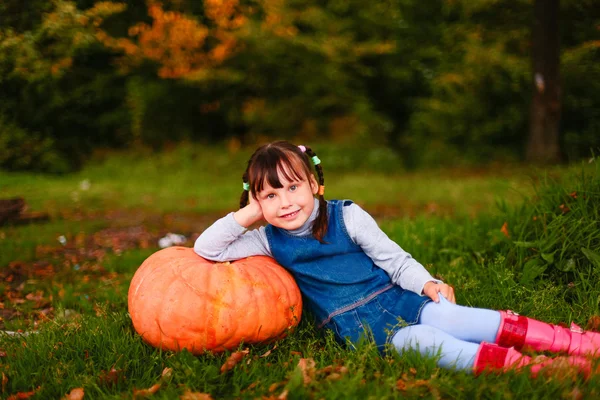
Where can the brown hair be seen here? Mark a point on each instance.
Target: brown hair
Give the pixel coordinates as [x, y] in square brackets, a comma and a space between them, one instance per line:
[269, 160]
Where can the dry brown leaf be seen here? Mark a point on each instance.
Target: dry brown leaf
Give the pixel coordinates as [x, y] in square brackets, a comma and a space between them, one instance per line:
[269, 351]
[296, 353]
[266, 354]
[421, 382]
[111, 377]
[575, 394]
[504, 229]
[564, 208]
[307, 366]
[283, 395]
[189, 395]
[146, 392]
[233, 359]
[75, 394]
[167, 372]
[274, 387]
[23, 395]
[334, 377]
[4, 382]
[250, 387]
[594, 323]
[401, 385]
[326, 370]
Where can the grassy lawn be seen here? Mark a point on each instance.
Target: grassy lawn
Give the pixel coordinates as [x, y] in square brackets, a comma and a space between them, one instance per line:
[64, 282]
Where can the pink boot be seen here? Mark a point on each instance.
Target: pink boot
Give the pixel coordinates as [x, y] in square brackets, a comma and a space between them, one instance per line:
[491, 357]
[527, 333]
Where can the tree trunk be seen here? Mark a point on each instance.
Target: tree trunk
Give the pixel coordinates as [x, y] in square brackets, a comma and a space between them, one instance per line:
[543, 144]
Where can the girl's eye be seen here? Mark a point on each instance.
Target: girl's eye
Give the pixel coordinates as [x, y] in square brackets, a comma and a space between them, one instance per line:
[270, 196]
[293, 188]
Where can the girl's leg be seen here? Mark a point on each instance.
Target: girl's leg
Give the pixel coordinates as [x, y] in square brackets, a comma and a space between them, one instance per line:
[466, 323]
[508, 329]
[428, 340]
[478, 358]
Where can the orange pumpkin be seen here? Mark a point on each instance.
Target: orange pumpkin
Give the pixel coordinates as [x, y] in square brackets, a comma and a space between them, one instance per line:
[178, 300]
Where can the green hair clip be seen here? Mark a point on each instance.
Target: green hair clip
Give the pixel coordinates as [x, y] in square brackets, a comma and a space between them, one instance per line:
[246, 186]
[316, 160]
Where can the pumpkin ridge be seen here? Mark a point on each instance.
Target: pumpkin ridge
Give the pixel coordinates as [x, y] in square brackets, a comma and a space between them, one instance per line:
[139, 284]
[160, 341]
[258, 296]
[233, 275]
[215, 299]
[206, 306]
[272, 293]
[288, 310]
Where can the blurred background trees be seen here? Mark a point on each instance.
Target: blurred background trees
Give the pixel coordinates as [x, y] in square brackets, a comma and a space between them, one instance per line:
[440, 82]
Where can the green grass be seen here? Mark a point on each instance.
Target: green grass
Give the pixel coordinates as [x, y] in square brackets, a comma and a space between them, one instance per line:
[449, 220]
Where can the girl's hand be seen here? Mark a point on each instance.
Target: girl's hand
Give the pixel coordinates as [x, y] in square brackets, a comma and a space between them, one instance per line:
[250, 214]
[431, 289]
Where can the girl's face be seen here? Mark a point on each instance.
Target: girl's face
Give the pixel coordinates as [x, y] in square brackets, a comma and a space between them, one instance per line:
[288, 207]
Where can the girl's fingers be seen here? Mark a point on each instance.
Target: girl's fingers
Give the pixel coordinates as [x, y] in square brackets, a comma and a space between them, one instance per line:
[447, 292]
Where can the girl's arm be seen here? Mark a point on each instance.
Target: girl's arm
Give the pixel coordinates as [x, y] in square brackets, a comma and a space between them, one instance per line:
[227, 240]
[403, 270]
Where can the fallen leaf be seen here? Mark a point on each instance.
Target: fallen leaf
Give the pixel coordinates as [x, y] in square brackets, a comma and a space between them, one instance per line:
[283, 395]
[564, 208]
[296, 353]
[233, 359]
[111, 377]
[400, 385]
[4, 382]
[334, 377]
[421, 382]
[167, 372]
[335, 372]
[274, 387]
[575, 394]
[268, 352]
[189, 395]
[23, 395]
[594, 323]
[504, 230]
[75, 394]
[250, 386]
[146, 392]
[573, 194]
[307, 366]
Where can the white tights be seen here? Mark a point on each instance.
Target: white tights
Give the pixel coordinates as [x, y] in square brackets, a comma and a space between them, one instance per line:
[451, 330]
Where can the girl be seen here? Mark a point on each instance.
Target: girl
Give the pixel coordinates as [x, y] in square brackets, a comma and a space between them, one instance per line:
[356, 281]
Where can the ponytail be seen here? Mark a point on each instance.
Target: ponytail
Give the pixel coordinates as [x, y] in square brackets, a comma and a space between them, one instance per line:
[320, 225]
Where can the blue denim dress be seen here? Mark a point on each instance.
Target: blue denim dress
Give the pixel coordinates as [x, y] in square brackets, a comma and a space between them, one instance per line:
[340, 284]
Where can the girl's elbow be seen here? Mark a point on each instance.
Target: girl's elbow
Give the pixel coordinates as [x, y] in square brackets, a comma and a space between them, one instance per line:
[199, 249]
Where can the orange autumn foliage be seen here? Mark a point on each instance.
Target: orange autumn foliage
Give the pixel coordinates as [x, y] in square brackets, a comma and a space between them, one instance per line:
[178, 300]
[177, 42]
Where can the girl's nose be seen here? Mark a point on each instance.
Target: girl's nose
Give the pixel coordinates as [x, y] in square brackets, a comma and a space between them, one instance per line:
[285, 200]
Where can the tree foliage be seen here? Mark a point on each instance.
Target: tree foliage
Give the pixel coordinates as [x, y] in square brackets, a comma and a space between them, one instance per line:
[440, 82]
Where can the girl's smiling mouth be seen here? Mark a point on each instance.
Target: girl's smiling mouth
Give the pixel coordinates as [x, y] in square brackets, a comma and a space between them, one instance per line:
[290, 215]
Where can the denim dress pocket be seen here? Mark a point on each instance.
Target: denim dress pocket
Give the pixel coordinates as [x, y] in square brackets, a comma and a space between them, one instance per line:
[347, 327]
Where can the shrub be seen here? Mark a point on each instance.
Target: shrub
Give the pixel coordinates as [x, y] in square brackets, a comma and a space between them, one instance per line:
[22, 150]
[557, 233]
